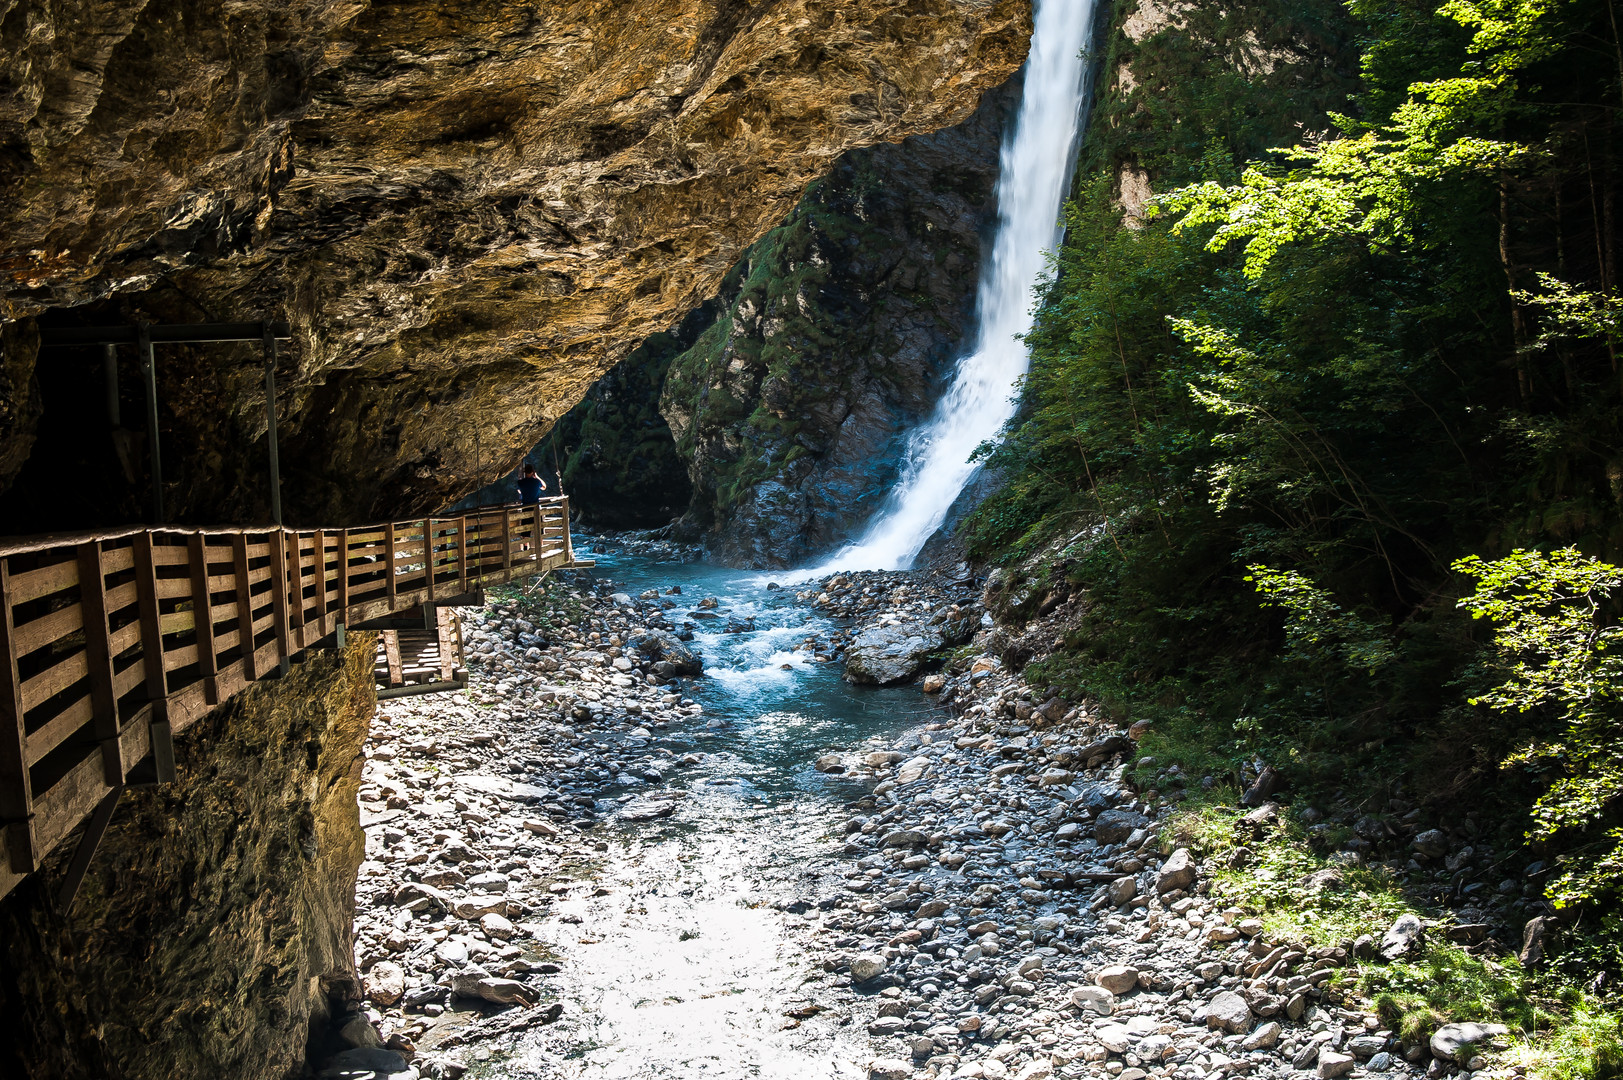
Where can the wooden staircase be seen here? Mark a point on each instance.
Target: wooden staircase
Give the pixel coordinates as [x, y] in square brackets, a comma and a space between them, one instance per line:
[113, 643]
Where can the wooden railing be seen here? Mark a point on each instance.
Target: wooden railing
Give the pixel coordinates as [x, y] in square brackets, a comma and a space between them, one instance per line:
[113, 643]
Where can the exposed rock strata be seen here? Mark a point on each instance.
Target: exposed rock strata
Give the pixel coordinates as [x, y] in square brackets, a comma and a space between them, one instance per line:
[214, 927]
[469, 213]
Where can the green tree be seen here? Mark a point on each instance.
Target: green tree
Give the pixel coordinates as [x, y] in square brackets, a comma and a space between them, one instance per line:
[1561, 651]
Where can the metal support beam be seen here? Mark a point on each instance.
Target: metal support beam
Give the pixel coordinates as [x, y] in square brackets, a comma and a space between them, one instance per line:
[172, 333]
[269, 338]
[94, 831]
[109, 370]
[149, 370]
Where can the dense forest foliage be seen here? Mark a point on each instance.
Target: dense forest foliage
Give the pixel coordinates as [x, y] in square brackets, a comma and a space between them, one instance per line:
[1330, 433]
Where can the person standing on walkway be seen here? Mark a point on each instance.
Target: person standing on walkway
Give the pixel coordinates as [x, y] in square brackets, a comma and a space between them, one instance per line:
[530, 490]
[531, 487]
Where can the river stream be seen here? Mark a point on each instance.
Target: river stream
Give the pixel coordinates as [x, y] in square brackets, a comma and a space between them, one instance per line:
[683, 967]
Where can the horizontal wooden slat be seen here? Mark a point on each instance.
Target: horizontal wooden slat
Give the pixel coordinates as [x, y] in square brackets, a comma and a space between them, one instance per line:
[174, 588]
[117, 560]
[123, 638]
[53, 680]
[60, 727]
[49, 628]
[33, 584]
[177, 623]
[128, 679]
[258, 551]
[121, 596]
[167, 555]
[179, 658]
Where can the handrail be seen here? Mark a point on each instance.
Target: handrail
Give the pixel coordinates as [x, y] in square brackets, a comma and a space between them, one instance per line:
[113, 642]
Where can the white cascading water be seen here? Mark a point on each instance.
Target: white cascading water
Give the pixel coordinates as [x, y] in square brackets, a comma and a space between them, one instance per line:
[1034, 171]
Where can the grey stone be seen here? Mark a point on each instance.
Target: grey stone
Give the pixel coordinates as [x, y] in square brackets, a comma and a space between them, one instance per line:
[904, 838]
[386, 983]
[1094, 999]
[1363, 1046]
[866, 966]
[363, 1060]
[1534, 935]
[660, 647]
[358, 1032]
[1117, 978]
[1178, 872]
[1332, 1064]
[1122, 890]
[1114, 826]
[890, 1069]
[1230, 1012]
[1451, 1041]
[1114, 1037]
[1430, 844]
[1403, 937]
[882, 655]
[1264, 1038]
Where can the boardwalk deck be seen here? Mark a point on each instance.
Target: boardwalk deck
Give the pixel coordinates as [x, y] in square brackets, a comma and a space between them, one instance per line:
[113, 643]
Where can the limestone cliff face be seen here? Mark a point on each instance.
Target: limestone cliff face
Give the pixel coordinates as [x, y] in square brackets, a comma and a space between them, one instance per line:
[837, 331]
[214, 926]
[469, 211]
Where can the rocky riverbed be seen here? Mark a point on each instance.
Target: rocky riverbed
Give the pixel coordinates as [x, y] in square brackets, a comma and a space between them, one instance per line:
[578, 869]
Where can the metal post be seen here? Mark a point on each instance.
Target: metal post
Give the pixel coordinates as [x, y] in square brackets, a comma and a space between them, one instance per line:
[143, 345]
[110, 378]
[270, 424]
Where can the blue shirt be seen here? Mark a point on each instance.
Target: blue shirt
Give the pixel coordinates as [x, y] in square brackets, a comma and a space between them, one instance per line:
[530, 489]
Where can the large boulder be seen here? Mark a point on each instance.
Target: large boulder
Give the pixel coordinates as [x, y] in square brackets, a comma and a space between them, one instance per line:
[1114, 826]
[1455, 1042]
[881, 655]
[656, 646]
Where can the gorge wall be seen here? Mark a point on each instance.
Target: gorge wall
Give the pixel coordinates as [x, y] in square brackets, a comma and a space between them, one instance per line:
[468, 214]
[788, 396]
[835, 332]
[214, 926]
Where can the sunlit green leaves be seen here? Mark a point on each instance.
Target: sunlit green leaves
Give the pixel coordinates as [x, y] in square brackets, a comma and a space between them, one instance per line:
[1560, 649]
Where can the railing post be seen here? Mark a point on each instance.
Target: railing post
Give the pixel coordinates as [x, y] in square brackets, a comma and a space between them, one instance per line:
[296, 611]
[278, 553]
[245, 605]
[203, 617]
[16, 791]
[507, 543]
[442, 627]
[149, 371]
[462, 549]
[104, 707]
[389, 561]
[428, 554]
[323, 621]
[343, 578]
[569, 541]
[157, 689]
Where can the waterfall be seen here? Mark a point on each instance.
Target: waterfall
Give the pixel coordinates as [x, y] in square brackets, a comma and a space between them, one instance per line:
[1034, 171]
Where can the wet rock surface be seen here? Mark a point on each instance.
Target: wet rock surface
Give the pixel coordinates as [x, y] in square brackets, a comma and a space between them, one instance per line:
[934, 900]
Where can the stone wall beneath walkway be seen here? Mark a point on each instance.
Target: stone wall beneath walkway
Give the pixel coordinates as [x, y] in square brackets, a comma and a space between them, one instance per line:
[214, 927]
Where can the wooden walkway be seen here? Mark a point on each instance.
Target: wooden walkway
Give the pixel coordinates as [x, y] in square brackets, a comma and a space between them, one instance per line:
[106, 655]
